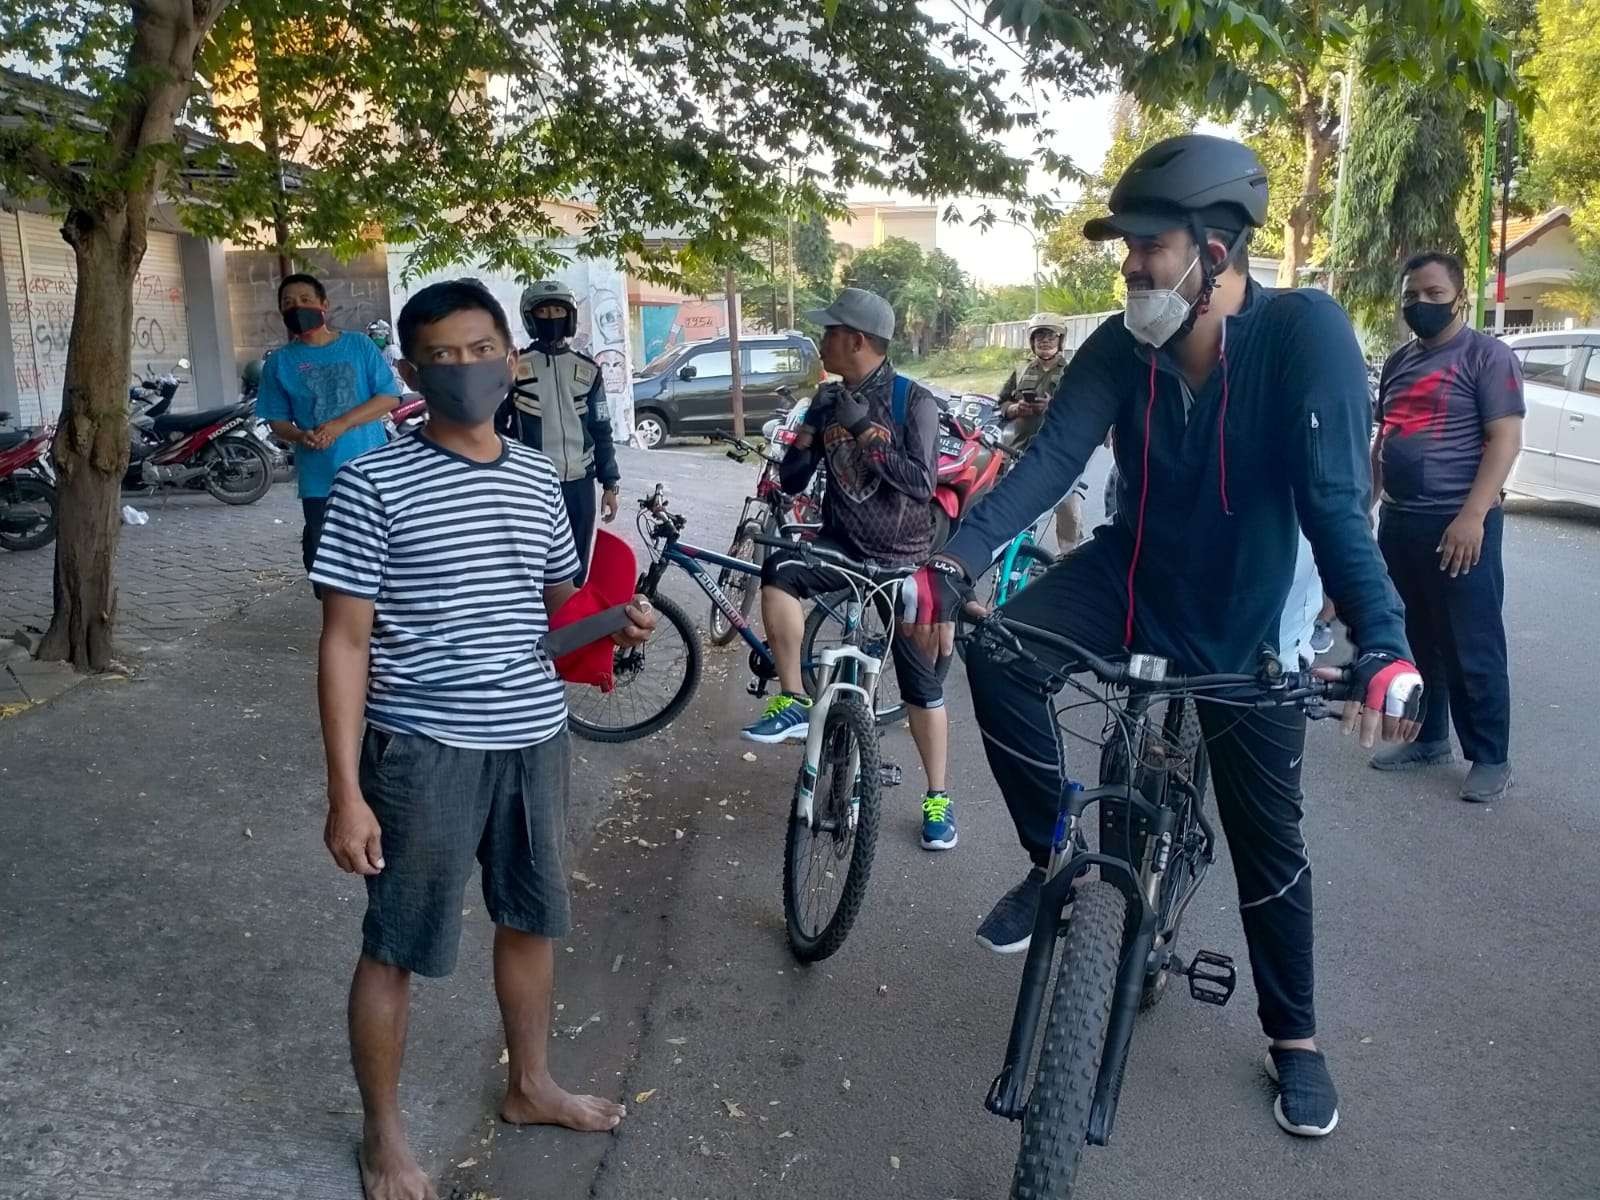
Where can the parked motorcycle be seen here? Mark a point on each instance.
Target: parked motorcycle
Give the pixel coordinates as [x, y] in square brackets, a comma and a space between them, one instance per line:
[972, 457]
[216, 449]
[27, 487]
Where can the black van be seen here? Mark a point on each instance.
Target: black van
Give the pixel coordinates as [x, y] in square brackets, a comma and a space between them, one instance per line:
[687, 390]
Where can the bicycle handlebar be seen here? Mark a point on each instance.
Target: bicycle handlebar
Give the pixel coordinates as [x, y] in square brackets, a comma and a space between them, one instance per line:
[1282, 687]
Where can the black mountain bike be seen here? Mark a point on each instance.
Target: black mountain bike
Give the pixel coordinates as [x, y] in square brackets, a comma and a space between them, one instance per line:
[1118, 941]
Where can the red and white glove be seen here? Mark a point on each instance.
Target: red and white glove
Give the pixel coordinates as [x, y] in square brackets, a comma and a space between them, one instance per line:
[1389, 685]
[934, 593]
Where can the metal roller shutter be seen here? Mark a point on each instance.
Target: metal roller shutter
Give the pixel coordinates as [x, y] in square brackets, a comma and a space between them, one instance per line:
[41, 283]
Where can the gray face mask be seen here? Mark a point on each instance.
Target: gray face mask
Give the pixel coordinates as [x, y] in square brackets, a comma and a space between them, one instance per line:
[466, 393]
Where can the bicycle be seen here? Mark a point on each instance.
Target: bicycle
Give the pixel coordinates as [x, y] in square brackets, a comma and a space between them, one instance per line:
[653, 683]
[833, 827]
[1118, 942]
[763, 513]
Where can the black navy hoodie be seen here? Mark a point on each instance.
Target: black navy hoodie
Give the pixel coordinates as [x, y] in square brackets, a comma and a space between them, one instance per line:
[1275, 442]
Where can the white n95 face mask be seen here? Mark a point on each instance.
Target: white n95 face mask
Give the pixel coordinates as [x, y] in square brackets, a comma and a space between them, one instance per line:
[1153, 315]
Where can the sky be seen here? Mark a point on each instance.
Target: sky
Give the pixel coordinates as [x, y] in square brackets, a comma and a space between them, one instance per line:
[1004, 253]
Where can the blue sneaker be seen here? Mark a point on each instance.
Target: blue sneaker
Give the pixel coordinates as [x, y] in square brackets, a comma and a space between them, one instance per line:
[788, 718]
[938, 822]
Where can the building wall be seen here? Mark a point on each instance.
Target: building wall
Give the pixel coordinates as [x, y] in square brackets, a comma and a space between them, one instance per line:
[358, 294]
[1553, 250]
[40, 279]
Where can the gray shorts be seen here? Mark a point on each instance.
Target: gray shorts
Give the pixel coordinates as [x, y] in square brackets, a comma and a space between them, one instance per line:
[438, 807]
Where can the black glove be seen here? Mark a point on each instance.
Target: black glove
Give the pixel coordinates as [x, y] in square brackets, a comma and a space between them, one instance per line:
[1389, 685]
[934, 593]
[851, 411]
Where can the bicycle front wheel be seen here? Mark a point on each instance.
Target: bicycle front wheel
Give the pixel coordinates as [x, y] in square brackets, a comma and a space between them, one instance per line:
[825, 629]
[1057, 1121]
[652, 684]
[826, 864]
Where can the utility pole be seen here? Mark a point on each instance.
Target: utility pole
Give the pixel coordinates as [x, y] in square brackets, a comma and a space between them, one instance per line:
[788, 244]
[1346, 97]
[735, 375]
[1491, 135]
[1505, 210]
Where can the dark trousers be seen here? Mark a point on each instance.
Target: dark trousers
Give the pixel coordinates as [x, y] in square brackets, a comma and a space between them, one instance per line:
[1456, 631]
[315, 510]
[1255, 772]
[582, 508]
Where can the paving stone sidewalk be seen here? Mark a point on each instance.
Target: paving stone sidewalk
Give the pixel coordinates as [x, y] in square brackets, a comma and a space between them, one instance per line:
[196, 561]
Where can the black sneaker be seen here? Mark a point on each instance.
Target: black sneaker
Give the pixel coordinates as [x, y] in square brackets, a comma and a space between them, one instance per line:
[1486, 782]
[1307, 1104]
[1009, 926]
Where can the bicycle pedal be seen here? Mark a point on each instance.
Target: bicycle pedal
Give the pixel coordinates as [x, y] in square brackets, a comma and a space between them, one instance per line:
[1212, 977]
[889, 775]
[757, 687]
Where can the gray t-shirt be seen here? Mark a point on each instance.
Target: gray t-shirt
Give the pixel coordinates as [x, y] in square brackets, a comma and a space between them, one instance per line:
[1435, 404]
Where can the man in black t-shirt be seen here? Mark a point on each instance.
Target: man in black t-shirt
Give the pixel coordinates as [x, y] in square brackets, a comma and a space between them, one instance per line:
[1450, 426]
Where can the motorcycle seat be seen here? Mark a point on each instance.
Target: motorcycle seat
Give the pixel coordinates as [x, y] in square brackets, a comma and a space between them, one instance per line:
[10, 438]
[189, 422]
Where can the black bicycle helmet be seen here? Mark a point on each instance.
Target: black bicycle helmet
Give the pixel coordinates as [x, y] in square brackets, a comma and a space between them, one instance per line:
[1193, 180]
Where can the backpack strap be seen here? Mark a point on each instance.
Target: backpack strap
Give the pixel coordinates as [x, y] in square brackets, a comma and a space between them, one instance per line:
[901, 400]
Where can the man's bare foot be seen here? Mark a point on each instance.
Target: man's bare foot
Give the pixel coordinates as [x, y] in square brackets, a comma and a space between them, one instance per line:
[389, 1171]
[546, 1104]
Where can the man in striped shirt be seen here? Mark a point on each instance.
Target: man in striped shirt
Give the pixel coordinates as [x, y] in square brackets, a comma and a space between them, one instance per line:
[442, 556]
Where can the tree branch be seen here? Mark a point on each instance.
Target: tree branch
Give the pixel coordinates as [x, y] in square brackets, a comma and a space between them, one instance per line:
[37, 161]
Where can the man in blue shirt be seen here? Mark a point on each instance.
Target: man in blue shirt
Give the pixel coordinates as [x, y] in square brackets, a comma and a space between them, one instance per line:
[324, 393]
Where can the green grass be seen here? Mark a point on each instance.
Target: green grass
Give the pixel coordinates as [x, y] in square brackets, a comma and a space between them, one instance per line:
[980, 370]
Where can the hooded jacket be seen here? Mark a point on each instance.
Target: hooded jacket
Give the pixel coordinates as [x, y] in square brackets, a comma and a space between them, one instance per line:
[1217, 484]
[557, 405]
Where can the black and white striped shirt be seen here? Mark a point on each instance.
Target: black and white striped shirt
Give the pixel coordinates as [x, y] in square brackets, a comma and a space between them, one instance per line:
[455, 556]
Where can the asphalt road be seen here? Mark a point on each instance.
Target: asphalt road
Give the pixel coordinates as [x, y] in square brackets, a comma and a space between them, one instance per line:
[1454, 976]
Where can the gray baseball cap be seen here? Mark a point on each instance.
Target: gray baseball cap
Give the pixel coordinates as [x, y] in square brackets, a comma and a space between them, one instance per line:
[859, 310]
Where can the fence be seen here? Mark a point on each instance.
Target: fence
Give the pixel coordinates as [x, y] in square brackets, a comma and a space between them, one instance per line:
[1014, 334]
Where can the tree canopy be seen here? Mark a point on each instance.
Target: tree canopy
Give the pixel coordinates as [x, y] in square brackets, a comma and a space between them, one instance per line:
[928, 291]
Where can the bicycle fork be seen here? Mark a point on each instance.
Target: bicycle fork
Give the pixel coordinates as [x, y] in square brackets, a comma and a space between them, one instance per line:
[840, 666]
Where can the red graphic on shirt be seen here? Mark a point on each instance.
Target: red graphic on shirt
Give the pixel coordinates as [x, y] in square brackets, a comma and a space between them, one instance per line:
[1421, 407]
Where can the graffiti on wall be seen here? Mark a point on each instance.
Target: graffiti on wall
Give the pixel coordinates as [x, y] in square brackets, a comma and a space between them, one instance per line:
[39, 311]
[668, 325]
[358, 294]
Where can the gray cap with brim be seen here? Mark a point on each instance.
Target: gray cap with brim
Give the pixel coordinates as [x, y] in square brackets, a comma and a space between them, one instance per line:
[858, 309]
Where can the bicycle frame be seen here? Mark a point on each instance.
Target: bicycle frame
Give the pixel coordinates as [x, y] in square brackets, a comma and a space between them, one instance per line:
[1006, 573]
[691, 560]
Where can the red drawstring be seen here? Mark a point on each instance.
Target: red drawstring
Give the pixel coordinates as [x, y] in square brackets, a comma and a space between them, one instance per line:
[1144, 495]
[1222, 429]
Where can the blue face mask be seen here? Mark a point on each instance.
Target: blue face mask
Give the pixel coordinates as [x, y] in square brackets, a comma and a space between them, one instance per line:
[465, 393]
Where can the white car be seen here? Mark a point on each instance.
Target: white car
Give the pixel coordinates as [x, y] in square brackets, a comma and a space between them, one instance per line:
[1561, 437]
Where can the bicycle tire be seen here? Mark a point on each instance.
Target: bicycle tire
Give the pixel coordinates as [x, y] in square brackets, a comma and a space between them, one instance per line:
[741, 588]
[847, 725]
[598, 731]
[1182, 725]
[1057, 1119]
[890, 708]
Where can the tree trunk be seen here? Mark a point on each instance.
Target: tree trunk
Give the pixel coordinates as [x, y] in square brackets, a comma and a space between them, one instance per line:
[91, 446]
[107, 231]
[1300, 228]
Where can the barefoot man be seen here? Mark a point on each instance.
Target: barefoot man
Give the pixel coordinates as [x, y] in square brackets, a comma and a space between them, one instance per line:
[442, 556]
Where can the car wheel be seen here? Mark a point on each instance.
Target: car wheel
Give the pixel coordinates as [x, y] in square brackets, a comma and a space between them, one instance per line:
[651, 429]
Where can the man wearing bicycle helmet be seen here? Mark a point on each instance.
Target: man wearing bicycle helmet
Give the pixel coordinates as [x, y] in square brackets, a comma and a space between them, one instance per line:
[1025, 396]
[383, 338]
[558, 406]
[1241, 419]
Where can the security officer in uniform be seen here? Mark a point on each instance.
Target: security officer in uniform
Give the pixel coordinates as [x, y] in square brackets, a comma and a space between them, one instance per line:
[558, 406]
[1023, 401]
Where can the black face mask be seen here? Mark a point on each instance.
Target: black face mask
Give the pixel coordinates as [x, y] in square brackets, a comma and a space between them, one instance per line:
[547, 331]
[1428, 320]
[466, 393]
[303, 320]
